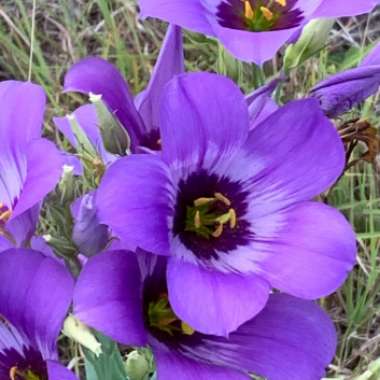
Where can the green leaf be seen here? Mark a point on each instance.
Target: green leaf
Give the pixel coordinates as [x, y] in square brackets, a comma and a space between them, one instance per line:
[108, 365]
[312, 40]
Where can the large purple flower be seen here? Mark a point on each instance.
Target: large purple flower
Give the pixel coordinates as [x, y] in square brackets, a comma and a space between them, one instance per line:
[25, 178]
[231, 207]
[35, 295]
[341, 92]
[252, 30]
[126, 297]
[139, 116]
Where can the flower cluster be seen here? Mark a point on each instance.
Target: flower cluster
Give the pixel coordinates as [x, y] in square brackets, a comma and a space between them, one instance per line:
[203, 236]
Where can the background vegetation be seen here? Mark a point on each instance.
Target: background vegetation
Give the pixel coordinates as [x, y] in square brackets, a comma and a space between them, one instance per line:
[68, 30]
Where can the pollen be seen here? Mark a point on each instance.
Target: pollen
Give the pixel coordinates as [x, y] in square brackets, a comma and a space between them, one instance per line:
[283, 3]
[248, 10]
[268, 15]
[186, 329]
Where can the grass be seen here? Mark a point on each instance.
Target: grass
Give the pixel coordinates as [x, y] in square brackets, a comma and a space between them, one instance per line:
[68, 30]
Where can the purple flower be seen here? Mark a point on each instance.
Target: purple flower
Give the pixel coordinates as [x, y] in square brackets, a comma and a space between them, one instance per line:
[139, 116]
[251, 30]
[341, 92]
[35, 295]
[231, 207]
[89, 235]
[25, 178]
[291, 339]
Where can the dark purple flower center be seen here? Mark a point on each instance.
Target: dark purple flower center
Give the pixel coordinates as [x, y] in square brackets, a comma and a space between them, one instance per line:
[160, 318]
[21, 362]
[151, 140]
[210, 215]
[259, 15]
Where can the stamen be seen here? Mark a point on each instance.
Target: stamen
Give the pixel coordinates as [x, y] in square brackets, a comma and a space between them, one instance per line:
[197, 219]
[5, 213]
[203, 201]
[218, 231]
[248, 10]
[268, 15]
[233, 218]
[281, 2]
[13, 373]
[186, 329]
[220, 197]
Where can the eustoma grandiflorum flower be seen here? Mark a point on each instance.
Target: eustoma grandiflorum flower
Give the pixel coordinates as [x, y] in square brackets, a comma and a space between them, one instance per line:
[341, 92]
[232, 208]
[252, 30]
[291, 339]
[26, 177]
[140, 115]
[35, 295]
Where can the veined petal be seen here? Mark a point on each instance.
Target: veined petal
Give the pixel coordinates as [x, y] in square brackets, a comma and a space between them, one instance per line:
[108, 297]
[212, 110]
[212, 302]
[293, 155]
[291, 339]
[169, 63]
[96, 75]
[135, 199]
[40, 301]
[186, 13]
[42, 175]
[170, 365]
[307, 250]
[344, 8]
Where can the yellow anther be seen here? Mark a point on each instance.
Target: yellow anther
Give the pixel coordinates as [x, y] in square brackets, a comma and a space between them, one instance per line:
[218, 231]
[4, 217]
[203, 201]
[197, 219]
[266, 13]
[186, 329]
[281, 2]
[220, 197]
[233, 218]
[248, 10]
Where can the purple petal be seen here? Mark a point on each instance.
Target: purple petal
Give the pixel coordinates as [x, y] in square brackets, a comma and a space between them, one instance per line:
[57, 371]
[88, 121]
[94, 74]
[344, 8]
[307, 250]
[22, 111]
[257, 47]
[373, 58]
[170, 63]
[294, 155]
[42, 174]
[186, 13]
[212, 110]
[215, 303]
[89, 235]
[291, 339]
[260, 103]
[135, 200]
[170, 365]
[40, 301]
[341, 92]
[107, 297]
